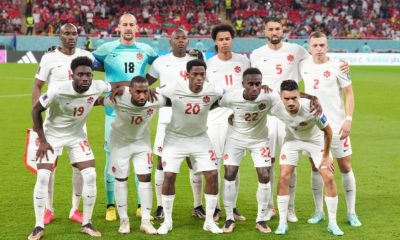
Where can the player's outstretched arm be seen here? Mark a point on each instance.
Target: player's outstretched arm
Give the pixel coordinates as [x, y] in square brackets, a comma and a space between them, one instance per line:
[37, 90]
[326, 159]
[44, 146]
[349, 105]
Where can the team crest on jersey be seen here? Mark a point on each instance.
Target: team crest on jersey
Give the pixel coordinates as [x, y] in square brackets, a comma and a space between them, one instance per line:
[90, 100]
[226, 156]
[183, 75]
[139, 56]
[327, 74]
[283, 157]
[237, 69]
[262, 106]
[290, 58]
[206, 99]
[150, 112]
[303, 124]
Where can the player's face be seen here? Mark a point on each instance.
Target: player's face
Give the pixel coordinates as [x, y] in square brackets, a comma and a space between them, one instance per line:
[127, 27]
[82, 77]
[252, 86]
[273, 32]
[179, 42]
[224, 42]
[291, 100]
[197, 76]
[69, 36]
[139, 93]
[318, 46]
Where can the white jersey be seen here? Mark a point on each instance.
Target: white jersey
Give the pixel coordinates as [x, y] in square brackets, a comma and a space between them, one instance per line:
[169, 69]
[68, 110]
[54, 68]
[303, 126]
[131, 122]
[326, 81]
[190, 110]
[278, 65]
[250, 117]
[225, 75]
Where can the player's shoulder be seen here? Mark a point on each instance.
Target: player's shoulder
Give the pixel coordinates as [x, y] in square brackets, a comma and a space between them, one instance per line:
[239, 57]
[258, 51]
[108, 46]
[212, 60]
[307, 62]
[145, 47]
[83, 52]
[163, 59]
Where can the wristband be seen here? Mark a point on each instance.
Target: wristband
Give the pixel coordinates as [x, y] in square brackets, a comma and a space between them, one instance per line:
[350, 118]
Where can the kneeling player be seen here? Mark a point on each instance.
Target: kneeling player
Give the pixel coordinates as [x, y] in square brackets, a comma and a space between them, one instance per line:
[304, 133]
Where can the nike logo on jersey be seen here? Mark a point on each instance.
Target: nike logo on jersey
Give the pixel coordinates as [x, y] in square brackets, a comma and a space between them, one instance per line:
[168, 65]
[60, 66]
[265, 60]
[305, 72]
[87, 154]
[215, 71]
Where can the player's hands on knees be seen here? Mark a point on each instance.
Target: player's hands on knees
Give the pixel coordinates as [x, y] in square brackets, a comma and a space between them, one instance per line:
[230, 119]
[117, 92]
[315, 106]
[42, 151]
[344, 66]
[327, 163]
[266, 88]
[345, 129]
[152, 95]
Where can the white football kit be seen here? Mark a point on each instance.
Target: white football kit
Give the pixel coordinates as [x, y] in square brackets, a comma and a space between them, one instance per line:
[326, 81]
[130, 136]
[226, 75]
[249, 130]
[277, 66]
[168, 69]
[185, 135]
[303, 134]
[67, 114]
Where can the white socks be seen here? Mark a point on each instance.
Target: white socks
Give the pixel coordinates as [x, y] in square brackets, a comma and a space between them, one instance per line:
[271, 181]
[292, 189]
[263, 194]
[121, 196]
[349, 185]
[50, 192]
[77, 185]
[89, 192]
[196, 181]
[158, 179]
[211, 204]
[283, 204]
[229, 193]
[237, 183]
[40, 194]
[331, 205]
[146, 195]
[168, 204]
[317, 187]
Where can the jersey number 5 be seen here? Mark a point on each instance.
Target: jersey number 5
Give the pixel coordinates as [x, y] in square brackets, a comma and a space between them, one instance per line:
[279, 69]
[192, 108]
[129, 67]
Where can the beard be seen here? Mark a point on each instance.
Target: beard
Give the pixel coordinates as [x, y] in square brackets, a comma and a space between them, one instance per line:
[275, 40]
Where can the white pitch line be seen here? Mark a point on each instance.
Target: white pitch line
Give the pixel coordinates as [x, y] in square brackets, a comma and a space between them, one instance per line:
[16, 95]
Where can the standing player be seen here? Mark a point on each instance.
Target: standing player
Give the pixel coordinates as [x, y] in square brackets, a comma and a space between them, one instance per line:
[130, 140]
[186, 136]
[224, 70]
[69, 105]
[169, 69]
[323, 78]
[304, 134]
[54, 69]
[122, 59]
[248, 131]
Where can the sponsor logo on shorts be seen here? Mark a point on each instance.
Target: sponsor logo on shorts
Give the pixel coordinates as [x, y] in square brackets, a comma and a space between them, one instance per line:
[283, 157]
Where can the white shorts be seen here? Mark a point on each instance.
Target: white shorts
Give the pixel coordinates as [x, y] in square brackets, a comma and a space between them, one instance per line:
[199, 149]
[292, 150]
[276, 133]
[79, 149]
[159, 140]
[122, 151]
[340, 148]
[217, 134]
[235, 150]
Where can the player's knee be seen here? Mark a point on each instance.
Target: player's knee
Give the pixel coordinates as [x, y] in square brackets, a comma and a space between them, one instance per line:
[213, 176]
[144, 177]
[89, 176]
[345, 166]
[43, 177]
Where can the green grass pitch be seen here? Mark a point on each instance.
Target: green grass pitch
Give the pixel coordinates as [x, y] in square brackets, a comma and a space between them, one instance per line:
[376, 163]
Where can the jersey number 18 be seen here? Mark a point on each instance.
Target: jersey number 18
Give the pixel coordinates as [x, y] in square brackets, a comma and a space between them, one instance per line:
[129, 67]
